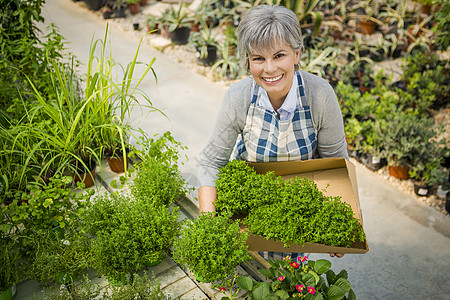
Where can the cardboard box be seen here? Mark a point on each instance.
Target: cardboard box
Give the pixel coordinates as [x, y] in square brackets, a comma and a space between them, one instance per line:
[337, 176]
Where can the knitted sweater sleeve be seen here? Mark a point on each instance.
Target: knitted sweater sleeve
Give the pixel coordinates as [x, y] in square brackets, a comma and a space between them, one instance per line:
[229, 124]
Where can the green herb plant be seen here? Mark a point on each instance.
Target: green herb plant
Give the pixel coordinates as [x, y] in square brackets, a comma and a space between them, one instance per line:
[292, 211]
[211, 247]
[129, 233]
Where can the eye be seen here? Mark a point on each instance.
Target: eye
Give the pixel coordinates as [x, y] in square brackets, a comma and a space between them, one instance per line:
[279, 55]
[257, 58]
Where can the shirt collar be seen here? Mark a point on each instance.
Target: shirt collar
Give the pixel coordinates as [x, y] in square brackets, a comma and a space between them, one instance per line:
[290, 103]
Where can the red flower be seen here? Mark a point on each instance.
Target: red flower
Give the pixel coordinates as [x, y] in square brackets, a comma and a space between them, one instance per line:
[222, 289]
[294, 265]
[281, 278]
[311, 290]
[302, 258]
[299, 287]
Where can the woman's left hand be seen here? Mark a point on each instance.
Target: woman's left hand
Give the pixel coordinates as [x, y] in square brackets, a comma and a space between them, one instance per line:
[337, 254]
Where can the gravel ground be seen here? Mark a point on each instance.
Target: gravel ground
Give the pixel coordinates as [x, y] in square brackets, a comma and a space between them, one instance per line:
[185, 55]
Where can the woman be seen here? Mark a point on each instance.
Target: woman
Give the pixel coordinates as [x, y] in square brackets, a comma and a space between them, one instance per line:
[278, 114]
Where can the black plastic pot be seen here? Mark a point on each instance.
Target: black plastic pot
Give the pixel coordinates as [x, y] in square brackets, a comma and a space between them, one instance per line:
[210, 58]
[374, 163]
[94, 4]
[422, 190]
[180, 35]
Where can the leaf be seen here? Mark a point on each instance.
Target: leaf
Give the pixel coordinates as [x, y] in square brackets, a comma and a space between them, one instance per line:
[342, 274]
[351, 295]
[344, 284]
[260, 292]
[321, 266]
[245, 283]
[335, 293]
[282, 294]
[267, 273]
[48, 202]
[271, 297]
[309, 280]
[331, 277]
[316, 296]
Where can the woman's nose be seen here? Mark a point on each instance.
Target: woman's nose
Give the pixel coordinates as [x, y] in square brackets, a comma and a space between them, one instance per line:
[270, 66]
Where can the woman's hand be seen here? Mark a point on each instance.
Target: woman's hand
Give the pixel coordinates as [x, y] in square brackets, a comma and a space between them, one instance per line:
[207, 195]
[337, 254]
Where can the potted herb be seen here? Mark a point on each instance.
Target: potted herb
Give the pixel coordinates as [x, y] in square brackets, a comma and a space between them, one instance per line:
[133, 6]
[205, 44]
[227, 66]
[129, 233]
[178, 22]
[293, 211]
[300, 279]
[211, 247]
[60, 260]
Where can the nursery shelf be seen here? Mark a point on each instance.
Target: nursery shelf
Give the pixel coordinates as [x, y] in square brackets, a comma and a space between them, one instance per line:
[174, 280]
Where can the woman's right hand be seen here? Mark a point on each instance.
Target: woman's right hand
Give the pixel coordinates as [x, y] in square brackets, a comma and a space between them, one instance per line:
[207, 195]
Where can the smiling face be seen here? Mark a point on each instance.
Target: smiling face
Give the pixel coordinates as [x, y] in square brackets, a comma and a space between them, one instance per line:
[273, 70]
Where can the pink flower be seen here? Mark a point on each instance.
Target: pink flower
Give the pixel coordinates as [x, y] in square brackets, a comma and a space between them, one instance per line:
[302, 258]
[299, 287]
[294, 265]
[281, 278]
[311, 290]
[222, 289]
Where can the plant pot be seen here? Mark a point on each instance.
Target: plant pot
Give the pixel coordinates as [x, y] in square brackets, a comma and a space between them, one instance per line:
[9, 294]
[180, 35]
[422, 189]
[120, 12]
[426, 9]
[136, 26]
[165, 32]
[87, 178]
[210, 58]
[134, 8]
[373, 162]
[117, 164]
[367, 27]
[94, 4]
[400, 172]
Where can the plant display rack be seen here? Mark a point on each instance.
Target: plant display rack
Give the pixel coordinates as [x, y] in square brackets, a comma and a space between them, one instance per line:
[174, 281]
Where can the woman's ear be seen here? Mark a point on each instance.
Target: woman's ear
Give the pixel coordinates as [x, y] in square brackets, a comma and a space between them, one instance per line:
[297, 55]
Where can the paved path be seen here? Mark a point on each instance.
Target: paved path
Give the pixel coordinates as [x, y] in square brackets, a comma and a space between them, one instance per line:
[409, 255]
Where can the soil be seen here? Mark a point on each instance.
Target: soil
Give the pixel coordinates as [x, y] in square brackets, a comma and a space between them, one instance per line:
[185, 55]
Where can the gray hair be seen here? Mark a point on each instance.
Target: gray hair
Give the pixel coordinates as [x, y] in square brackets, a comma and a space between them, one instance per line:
[263, 26]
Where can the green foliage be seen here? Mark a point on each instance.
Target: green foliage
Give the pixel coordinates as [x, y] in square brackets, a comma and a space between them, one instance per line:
[9, 260]
[57, 258]
[442, 25]
[44, 207]
[24, 53]
[299, 280]
[143, 287]
[292, 211]
[175, 17]
[129, 233]
[211, 247]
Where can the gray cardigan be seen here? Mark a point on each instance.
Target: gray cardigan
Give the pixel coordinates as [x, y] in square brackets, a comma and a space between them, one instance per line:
[326, 116]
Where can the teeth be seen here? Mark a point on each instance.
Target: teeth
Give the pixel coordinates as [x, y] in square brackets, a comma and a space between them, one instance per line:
[273, 79]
